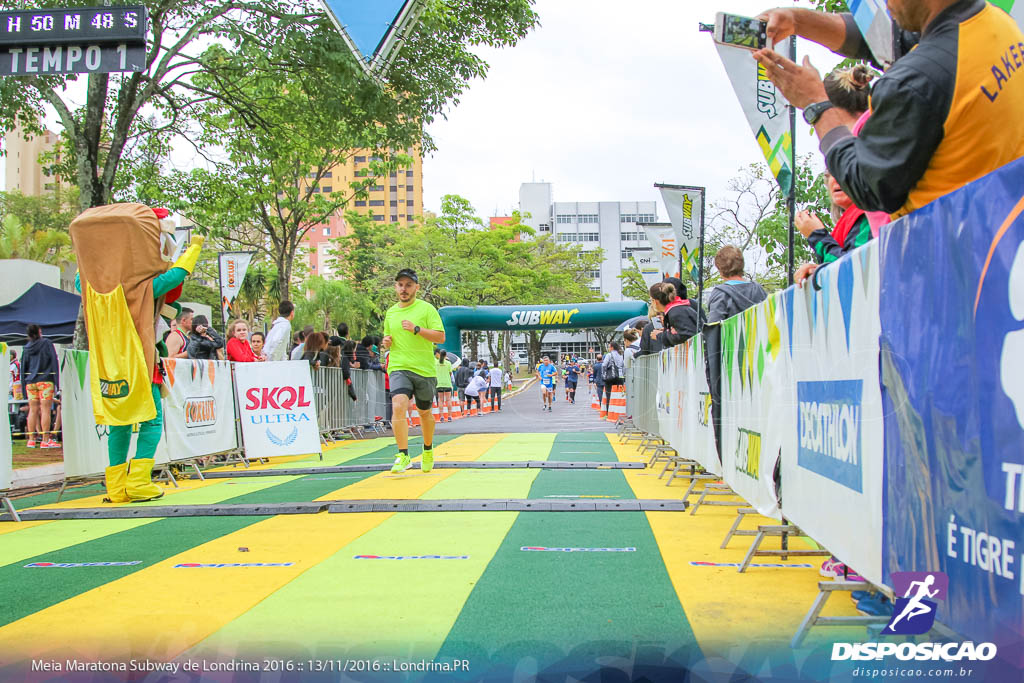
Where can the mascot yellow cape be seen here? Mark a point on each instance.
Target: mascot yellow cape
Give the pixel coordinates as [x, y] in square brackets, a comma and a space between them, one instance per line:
[126, 276]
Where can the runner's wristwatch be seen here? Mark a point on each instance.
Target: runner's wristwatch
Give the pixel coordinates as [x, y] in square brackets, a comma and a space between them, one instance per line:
[416, 330]
[814, 111]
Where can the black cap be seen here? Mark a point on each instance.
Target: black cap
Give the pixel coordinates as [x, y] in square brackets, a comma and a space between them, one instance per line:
[409, 273]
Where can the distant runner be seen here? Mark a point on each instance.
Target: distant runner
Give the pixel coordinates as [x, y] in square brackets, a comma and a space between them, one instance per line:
[411, 328]
[546, 372]
[572, 378]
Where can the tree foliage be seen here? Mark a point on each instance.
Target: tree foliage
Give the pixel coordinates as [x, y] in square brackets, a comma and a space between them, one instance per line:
[459, 261]
[754, 217]
[21, 241]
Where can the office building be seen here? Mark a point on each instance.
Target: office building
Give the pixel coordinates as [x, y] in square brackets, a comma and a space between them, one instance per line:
[25, 173]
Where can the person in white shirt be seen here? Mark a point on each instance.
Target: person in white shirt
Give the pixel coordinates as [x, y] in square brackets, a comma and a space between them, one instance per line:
[496, 377]
[476, 385]
[276, 346]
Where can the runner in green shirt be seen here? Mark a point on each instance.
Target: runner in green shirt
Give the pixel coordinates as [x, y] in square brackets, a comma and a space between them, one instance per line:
[411, 328]
[444, 386]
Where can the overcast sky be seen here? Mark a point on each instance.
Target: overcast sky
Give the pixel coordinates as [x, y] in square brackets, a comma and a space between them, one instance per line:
[603, 100]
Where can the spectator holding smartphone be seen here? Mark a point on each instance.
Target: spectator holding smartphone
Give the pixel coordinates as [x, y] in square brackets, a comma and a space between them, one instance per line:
[203, 341]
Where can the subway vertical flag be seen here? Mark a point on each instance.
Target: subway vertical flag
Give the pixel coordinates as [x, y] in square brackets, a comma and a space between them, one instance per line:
[765, 108]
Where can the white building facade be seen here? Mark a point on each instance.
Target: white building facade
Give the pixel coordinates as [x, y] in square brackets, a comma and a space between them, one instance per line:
[611, 226]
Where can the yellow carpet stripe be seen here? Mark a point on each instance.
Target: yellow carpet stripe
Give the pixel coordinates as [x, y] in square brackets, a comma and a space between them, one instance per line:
[725, 607]
[160, 612]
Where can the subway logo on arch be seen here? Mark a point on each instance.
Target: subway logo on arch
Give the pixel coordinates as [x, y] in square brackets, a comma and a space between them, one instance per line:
[529, 318]
[829, 427]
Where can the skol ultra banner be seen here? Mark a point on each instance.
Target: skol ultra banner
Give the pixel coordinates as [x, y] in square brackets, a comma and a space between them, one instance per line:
[85, 442]
[754, 370]
[832, 460]
[665, 245]
[232, 271]
[766, 110]
[277, 408]
[199, 409]
[952, 323]
[684, 205]
[6, 455]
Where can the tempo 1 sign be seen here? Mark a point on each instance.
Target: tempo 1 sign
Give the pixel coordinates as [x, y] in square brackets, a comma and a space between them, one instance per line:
[71, 59]
[76, 40]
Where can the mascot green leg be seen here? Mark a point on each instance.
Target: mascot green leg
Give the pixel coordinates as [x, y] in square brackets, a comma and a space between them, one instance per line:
[133, 481]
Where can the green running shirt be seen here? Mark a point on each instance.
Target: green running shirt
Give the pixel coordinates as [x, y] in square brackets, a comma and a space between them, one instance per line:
[411, 351]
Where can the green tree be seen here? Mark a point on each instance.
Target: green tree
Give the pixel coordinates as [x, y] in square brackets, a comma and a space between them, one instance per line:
[755, 218]
[50, 211]
[21, 241]
[633, 284]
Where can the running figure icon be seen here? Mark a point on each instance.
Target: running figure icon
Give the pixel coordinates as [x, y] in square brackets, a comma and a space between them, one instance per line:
[915, 606]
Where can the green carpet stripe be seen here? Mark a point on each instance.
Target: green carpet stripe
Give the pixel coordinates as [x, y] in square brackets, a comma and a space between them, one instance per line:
[149, 543]
[516, 447]
[525, 598]
[46, 538]
[38, 589]
[72, 493]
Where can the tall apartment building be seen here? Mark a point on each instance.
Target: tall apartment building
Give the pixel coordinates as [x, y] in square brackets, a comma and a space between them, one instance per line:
[394, 199]
[24, 172]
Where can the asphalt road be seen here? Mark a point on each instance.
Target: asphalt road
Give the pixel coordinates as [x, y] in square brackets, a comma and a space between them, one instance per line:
[522, 413]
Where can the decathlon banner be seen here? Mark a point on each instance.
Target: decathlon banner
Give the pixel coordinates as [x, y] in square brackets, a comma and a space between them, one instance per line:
[766, 110]
[684, 205]
[754, 373]
[85, 442]
[232, 266]
[831, 409]
[6, 452]
[278, 412]
[199, 408]
[664, 247]
[952, 344]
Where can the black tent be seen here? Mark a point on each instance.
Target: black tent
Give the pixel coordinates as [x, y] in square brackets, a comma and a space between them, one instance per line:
[54, 310]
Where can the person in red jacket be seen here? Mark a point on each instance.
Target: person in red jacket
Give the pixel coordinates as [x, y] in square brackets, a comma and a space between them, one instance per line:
[239, 349]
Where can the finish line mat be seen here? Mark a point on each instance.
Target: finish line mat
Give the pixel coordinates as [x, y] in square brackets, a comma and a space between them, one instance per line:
[332, 596]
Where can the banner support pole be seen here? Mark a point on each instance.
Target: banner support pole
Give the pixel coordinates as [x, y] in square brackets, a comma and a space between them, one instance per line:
[792, 177]
[220, 290]
[700, 257]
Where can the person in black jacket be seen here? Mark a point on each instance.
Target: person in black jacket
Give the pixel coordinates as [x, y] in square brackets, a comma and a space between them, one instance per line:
[39, 371]
[203, 340]
[649, 343]
[463, 375]
[680, 318]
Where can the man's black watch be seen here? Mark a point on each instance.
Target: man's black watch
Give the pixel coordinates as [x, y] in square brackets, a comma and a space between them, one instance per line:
[814, 111]
[416, 330]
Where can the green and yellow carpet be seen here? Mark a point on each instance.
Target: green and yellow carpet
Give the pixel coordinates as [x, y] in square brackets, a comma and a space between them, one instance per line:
[490, 595]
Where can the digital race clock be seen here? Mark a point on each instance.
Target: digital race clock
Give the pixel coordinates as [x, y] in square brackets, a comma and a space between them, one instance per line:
[82, 26]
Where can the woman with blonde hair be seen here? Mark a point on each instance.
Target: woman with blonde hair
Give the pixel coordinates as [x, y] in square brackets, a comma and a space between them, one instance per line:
[239, 350]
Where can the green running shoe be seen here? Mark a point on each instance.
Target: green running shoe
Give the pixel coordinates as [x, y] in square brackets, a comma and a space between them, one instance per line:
[427, 463]
[402, 463]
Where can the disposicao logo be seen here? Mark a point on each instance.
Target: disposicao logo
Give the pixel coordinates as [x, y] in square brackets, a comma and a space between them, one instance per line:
[67, 565]
[914, 614]
[225, 565]
[411, 557]
[200, 412]
[542, 549]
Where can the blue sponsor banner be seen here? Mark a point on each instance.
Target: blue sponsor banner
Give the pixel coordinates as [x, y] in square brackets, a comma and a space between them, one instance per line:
[952, 357]
[829, 430]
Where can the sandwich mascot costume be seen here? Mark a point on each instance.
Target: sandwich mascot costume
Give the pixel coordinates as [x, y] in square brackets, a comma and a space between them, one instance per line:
[128, 281]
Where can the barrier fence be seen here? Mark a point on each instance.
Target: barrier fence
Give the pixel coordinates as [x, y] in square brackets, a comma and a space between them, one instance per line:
[884, 413]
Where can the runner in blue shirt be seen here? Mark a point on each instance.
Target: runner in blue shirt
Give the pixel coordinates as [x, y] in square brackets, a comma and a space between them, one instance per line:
[572, 377]
[546, 374]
